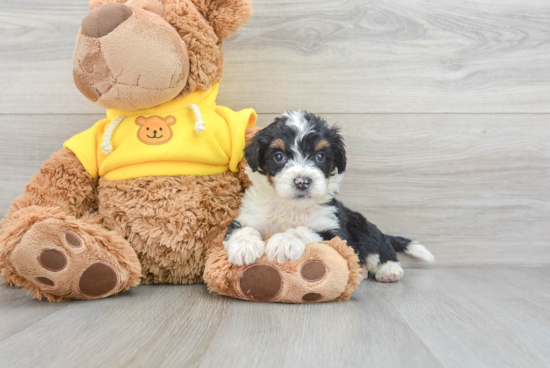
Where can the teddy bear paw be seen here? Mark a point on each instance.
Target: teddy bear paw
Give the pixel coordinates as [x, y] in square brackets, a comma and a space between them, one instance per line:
[66, 262]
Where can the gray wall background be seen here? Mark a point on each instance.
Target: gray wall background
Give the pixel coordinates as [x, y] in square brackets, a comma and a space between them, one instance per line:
[445, 106]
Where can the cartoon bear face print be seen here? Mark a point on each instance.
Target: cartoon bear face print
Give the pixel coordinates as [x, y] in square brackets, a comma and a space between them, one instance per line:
[155, 130]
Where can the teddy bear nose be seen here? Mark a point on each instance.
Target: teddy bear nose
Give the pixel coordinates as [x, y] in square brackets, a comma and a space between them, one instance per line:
[104, 19]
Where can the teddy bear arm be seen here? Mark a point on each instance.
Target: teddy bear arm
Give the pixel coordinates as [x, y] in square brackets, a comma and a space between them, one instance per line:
[52, 226]
[62, 183]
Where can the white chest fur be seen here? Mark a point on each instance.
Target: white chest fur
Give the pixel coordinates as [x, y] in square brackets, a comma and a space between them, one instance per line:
[263, 210]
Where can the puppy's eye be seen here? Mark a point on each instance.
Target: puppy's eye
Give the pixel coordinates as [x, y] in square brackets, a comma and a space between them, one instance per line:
[279, 157]
[147, 128]
[320, 157]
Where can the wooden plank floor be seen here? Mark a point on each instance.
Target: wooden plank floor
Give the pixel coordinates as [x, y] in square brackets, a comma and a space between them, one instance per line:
[442, 317]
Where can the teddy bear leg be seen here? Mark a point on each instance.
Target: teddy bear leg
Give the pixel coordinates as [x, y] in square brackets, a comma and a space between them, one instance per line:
[326, 271]
[62, 258]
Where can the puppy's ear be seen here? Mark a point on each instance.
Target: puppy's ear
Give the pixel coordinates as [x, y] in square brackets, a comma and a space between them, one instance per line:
[252, 153]
[338, 149]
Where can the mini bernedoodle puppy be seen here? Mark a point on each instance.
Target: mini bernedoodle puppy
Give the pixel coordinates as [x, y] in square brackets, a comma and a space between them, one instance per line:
[296, 166]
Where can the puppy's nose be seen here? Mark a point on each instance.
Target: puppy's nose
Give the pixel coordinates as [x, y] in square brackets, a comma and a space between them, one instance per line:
[104, 19]
[155, 132]
[302, 183]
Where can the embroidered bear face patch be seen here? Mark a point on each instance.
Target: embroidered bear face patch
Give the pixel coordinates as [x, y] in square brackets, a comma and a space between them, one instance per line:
[155, 130]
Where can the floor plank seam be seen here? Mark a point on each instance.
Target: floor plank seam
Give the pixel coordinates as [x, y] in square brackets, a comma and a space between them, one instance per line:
[411, 328]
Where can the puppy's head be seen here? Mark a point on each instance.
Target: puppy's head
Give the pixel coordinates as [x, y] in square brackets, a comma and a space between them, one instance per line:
[300, 156]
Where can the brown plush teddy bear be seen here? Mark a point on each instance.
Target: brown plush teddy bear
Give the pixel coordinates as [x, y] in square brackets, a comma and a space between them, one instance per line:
[146, 194]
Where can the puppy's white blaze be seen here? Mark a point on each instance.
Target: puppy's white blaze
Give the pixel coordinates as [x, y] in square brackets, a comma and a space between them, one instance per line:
[297, 120]
[417, 250]
[244, 246]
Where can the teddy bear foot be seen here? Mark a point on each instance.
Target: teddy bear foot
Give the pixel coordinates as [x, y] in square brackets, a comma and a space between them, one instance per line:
[326, 271]
[66, 262]
[264, 282]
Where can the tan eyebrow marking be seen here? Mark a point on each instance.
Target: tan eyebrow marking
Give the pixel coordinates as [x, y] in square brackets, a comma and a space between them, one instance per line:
[321, 144]
[278, 143]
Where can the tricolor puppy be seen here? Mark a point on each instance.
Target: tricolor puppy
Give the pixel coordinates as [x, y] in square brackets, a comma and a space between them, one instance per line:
[296, 166]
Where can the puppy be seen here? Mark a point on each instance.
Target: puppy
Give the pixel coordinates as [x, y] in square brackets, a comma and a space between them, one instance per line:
[296, 166]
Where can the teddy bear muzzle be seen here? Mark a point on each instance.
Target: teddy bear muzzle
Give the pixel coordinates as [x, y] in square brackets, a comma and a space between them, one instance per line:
[104, 19]
[129, 58]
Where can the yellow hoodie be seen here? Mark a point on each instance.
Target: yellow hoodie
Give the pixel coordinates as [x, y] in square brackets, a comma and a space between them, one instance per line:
[187, 136]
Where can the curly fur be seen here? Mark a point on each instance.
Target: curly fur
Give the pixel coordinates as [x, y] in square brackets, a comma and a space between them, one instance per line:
[171, 221]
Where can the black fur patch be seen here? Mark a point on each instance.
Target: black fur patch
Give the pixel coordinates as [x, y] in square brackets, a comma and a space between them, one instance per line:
[263, 158]
[364, 237]
[232, 227]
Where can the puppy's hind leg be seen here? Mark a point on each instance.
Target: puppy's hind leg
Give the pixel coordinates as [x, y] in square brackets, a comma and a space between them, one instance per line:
[389, 271]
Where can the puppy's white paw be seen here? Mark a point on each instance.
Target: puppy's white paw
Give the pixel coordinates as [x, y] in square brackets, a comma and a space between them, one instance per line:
[245, 251]
[389, 272]
[284, 246]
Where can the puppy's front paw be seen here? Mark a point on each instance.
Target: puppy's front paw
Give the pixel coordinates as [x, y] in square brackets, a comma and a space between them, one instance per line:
[245, 251]
[284, 246]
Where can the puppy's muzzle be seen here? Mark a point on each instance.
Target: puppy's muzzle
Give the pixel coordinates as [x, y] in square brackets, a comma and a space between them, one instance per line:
[302, 183]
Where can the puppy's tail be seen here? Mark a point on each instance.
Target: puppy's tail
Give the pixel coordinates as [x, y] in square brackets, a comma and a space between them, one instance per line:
[411, 248]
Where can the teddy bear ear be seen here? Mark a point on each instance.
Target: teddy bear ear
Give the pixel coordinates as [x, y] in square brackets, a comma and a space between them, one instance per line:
[170, 120]
[153, 6]
[95, 3]
[225, 16]
[141, 121]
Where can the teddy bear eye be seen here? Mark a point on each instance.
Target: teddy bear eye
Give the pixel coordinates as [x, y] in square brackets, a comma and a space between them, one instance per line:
[147, 128]
[161, 129]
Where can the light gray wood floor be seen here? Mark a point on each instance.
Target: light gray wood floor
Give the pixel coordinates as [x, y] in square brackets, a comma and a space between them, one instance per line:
[443, 317]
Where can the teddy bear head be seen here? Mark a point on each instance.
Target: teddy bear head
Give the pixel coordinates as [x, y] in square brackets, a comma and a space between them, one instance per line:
[136, 54]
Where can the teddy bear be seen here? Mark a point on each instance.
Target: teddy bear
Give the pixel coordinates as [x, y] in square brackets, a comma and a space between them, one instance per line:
[145, 195]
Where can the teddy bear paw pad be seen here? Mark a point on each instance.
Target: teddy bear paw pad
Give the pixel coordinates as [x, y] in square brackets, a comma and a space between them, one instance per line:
[73, 240]
[98, 279]
[312, 297]
[260, 282]
[313, 271]
[53, 260]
